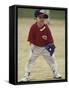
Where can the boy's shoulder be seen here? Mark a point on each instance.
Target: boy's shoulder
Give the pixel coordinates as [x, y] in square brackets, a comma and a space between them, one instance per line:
[34, 25]
[47, 26]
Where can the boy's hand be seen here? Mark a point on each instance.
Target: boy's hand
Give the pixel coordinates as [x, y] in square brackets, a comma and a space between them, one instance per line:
[31, 46]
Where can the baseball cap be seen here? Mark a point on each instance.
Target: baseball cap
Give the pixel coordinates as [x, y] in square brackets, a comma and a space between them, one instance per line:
[41, 13]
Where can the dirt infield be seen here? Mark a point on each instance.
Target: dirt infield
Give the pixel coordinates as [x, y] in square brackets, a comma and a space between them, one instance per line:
[41, 70]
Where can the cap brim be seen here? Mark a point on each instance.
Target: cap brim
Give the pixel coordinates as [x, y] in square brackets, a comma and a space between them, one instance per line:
[43, 16]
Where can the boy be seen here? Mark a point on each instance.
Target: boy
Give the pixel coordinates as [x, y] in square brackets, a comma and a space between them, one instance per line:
[41, 43]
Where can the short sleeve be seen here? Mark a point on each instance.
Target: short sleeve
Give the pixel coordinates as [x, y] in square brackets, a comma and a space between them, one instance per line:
[50, 37]
[31, 35]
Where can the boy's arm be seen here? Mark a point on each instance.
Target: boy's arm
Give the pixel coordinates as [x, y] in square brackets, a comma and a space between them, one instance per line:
[31, 36]
[51, 46]
[50, 37]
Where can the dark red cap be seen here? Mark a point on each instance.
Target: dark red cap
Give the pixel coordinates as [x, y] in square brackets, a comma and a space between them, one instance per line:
[41, 13]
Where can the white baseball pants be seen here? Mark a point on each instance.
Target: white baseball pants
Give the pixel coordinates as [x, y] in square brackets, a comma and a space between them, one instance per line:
[35, 52]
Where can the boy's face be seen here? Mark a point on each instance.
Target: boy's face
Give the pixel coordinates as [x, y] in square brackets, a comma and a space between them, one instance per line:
[40, 19]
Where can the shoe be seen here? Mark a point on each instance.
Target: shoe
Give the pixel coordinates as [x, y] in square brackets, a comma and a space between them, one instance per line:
[58, 76]
[26, 79]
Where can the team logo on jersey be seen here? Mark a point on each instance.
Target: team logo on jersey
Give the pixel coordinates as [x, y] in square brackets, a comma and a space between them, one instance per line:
[42, 29]
[44, 37]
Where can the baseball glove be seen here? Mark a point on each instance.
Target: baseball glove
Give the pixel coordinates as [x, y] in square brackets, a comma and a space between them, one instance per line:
[50, 48]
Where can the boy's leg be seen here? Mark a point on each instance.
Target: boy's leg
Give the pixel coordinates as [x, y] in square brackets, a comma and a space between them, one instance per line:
[30, 63]
[28, 67]
[52, 63]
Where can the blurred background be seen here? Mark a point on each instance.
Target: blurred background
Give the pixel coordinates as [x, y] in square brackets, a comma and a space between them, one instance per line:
[29, 13]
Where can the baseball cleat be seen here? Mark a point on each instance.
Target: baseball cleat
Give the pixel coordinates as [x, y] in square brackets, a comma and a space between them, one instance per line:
[58, 76]
[26, 79]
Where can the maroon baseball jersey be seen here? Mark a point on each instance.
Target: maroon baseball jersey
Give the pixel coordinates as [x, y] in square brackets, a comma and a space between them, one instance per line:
[40, 36]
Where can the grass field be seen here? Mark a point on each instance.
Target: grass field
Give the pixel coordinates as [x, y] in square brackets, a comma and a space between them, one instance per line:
[41, 70]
